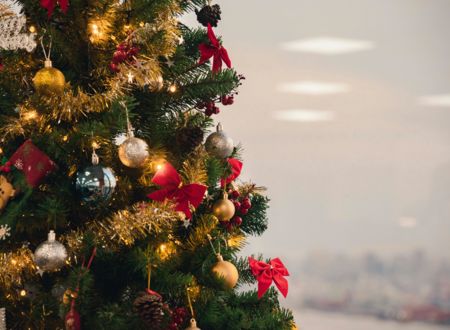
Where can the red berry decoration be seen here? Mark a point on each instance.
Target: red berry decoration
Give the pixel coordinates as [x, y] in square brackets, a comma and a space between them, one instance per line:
[235, 194]
[246, 203]
[237, 205]
[243, 210]
[237, 221]
[216, 110]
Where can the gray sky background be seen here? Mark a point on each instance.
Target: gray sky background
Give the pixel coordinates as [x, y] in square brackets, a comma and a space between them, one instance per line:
[375, 177]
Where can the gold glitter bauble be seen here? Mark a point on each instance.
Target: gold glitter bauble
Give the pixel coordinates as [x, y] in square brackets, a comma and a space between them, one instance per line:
[193, 325]
[49, 80]
[133, 152]
[224, 209]
[226, 271]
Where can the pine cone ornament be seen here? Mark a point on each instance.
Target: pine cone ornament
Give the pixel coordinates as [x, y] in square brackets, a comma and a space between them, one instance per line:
[149, 306]
[209, 15]
[188, 138]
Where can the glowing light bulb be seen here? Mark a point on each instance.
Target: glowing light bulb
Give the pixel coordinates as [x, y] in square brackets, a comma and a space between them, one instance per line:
[23, 293]
[65, 138]
[32, 29]
[173, 88]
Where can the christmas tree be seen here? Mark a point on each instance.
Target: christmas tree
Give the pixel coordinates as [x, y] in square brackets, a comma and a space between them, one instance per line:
[119, 208]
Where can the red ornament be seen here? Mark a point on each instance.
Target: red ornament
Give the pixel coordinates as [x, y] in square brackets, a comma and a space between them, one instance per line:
[184, 196]
[236, 168]
[265, 274]
[51, 4]
[235, 194]
[243, 211]
[246, 203]
[73, 321]
[215, 50]
[35, 164]
[237, 221]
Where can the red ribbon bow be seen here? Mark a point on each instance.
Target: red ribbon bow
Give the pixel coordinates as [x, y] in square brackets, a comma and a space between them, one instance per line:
[172, 188]
[236, 168]
[265, 274]
[51, 4]
[214, 50]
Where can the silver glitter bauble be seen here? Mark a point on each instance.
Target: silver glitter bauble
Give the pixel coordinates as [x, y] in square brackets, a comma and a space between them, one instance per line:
[133, 152]
[96, 183]
[50, 255]
[218, 144]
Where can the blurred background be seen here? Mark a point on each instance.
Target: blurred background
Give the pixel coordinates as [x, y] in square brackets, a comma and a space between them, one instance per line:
[345, 117]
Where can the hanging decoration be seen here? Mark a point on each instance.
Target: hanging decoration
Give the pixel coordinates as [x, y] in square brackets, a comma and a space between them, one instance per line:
[224, 270]
[215, 50]
[236, 168]
[49, 80]
[73, 321]
[50, 255]
[7, 191]
[224, 209]
[51, 4]
[34, 163]
[184, 196]
[95, 183]
[13, 35]
[133, 152]
[266, 273]
[209, 14]
[218, 144]
[193, 322]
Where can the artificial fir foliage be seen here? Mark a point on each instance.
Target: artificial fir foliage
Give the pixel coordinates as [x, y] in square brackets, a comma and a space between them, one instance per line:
[166, 203]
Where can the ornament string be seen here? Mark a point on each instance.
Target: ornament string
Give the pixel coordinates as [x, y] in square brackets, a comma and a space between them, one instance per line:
[129, 127]
[46, 55]
[95, 159]
[212, 245]
[190, 303]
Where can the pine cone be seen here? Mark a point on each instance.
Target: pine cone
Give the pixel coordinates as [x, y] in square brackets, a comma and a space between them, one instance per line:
[150, 309]
[188, 138]
[209, 14]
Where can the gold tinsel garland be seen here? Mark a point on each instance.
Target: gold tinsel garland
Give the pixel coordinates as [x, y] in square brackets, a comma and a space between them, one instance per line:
[125, 227]
[14, 268]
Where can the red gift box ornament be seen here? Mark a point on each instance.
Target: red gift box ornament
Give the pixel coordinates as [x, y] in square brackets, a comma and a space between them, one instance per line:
[214, 50]
[173, 188]
[236, 168]
[266, 273]
[35, 164]
[51, 4]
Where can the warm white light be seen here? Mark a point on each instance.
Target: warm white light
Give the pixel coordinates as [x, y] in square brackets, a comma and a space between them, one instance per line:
[313, 88]
[407, 222]
[304, 115]
[442, 100]
[328, 45]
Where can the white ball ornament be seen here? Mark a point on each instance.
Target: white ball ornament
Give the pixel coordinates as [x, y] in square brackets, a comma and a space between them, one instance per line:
[50, 255]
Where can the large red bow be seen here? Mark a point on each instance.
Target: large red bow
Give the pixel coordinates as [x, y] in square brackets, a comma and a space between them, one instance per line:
[51, 4]
[236, 168]
[266, 273]
[214, 50]
[172, 188]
